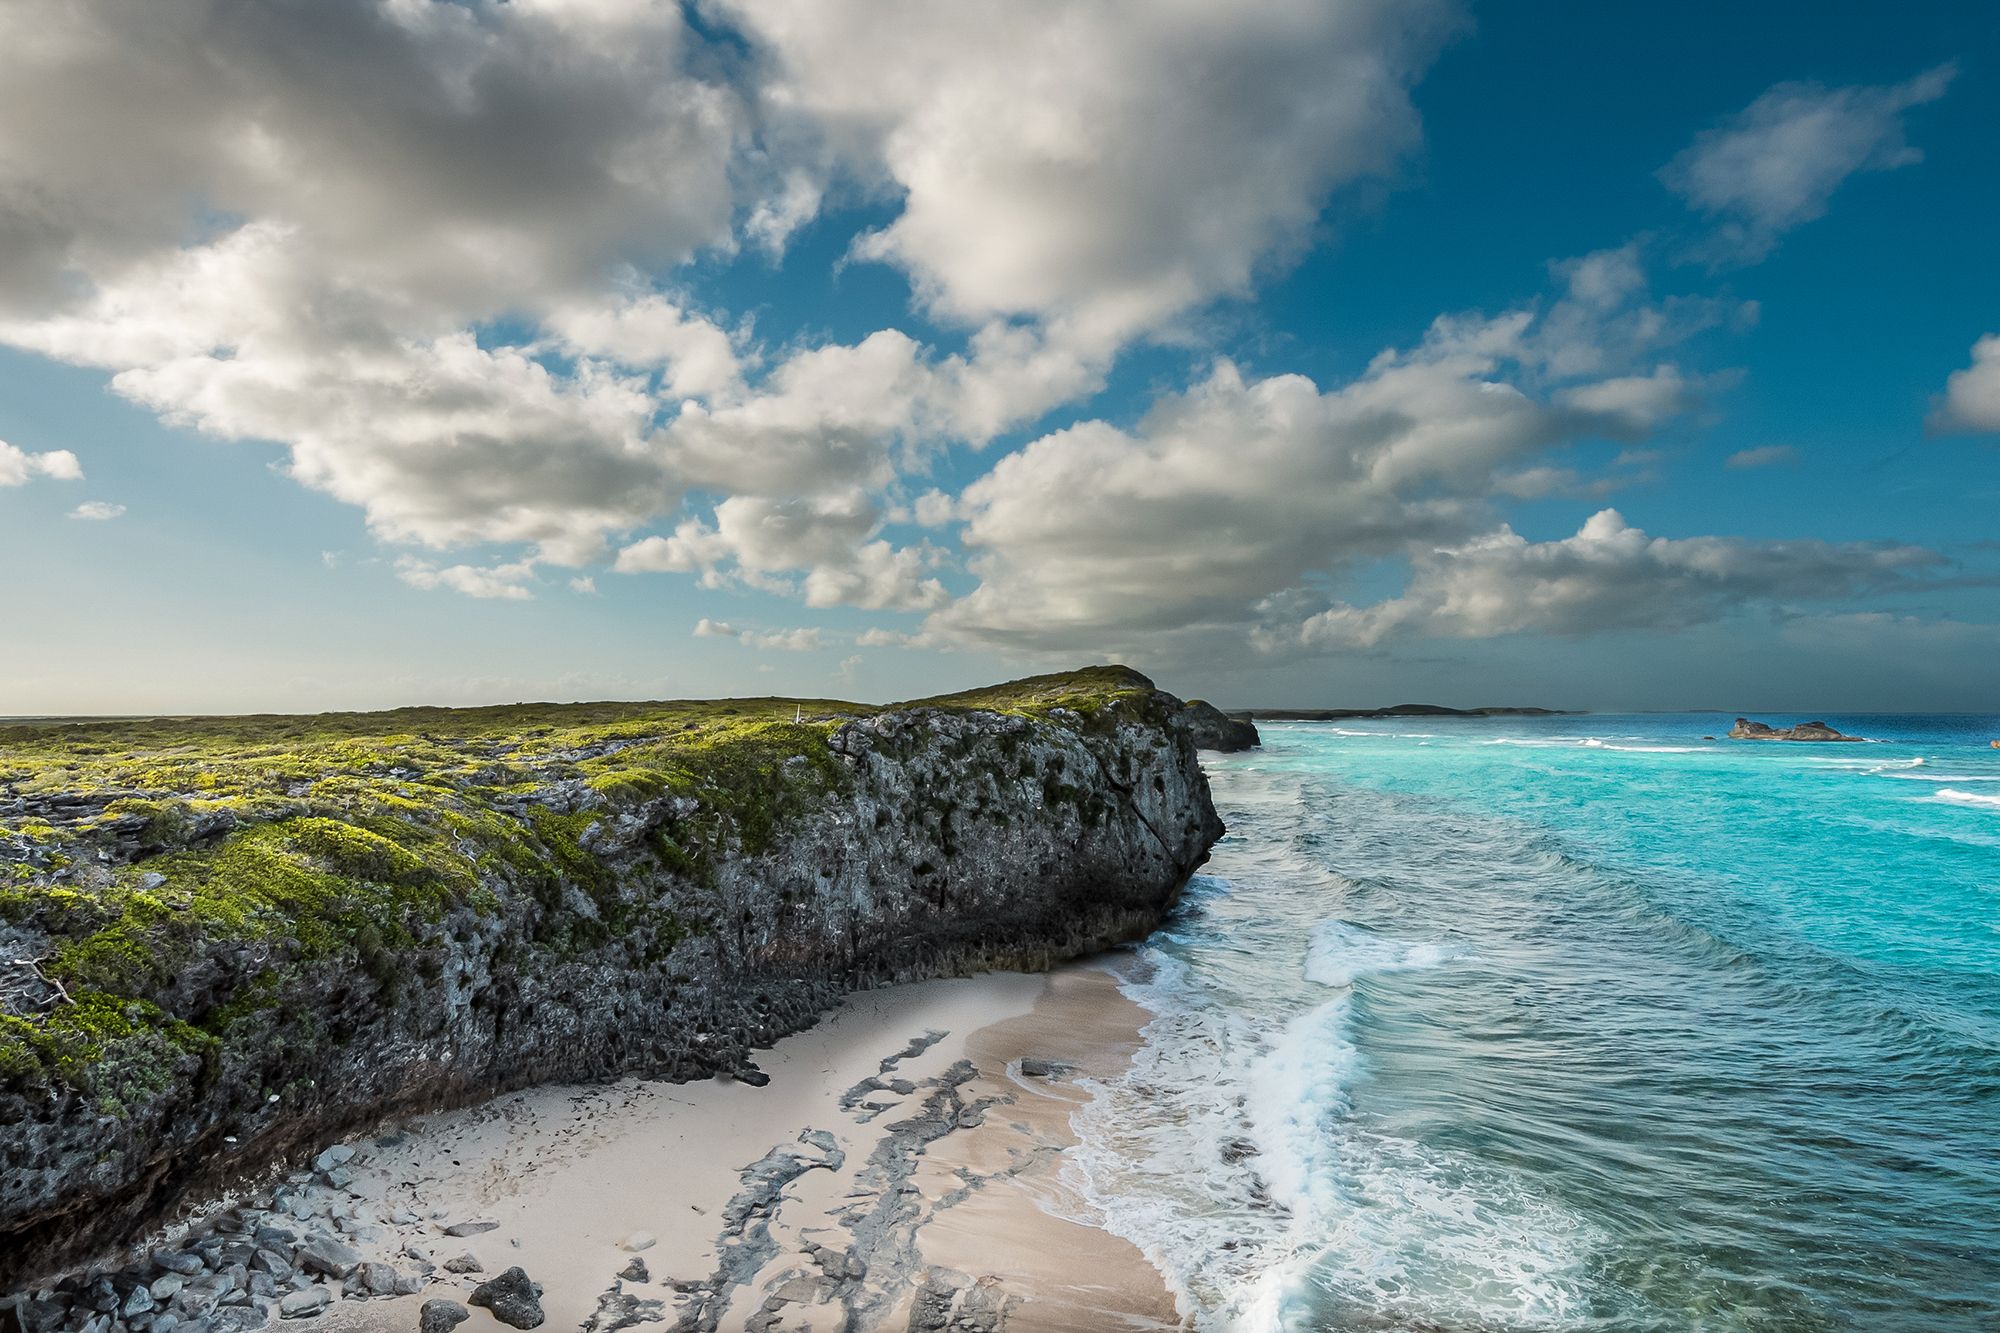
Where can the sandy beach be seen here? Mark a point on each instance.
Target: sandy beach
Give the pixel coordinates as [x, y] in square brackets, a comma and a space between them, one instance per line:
[901, 1170]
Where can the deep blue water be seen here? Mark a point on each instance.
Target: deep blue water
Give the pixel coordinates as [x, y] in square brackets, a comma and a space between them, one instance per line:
[1576, 1023]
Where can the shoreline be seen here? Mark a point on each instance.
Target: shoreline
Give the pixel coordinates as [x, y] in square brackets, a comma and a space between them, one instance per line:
[901, 1169]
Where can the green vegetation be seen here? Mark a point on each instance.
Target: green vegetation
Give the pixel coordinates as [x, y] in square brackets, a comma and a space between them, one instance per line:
[128, 847]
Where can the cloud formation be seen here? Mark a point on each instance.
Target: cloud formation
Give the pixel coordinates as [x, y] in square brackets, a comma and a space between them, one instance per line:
[98, 511]
[782, 640]
[1609, 576]
[1971, 403]
[18, 467]
[1764, 455]
[1241, 490]
[1774, 165]
[1097, 166]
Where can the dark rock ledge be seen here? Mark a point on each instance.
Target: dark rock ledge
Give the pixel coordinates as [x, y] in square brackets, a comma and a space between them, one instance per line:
[242, 939]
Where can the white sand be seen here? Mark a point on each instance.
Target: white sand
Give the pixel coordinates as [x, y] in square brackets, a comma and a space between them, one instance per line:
[960, 1201]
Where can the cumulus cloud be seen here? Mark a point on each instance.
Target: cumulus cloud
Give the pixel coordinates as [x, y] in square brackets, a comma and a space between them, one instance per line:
[1774, 165]
[18, 467]
[783, 640]
[506, 582]
[1095, 165]
[98, 511]
[1971, 403]
[1765, 455]
[763, 542]
[1105, 539]
[1609, 576]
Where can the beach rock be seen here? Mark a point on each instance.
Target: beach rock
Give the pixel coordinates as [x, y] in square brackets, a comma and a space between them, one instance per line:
[1213, 729]
[618, 1310]
[441, 1316]
[377, 1279]
[1746, 730]
[750, 1074]
[336, 1156]
[304, 1304]
[464, 1263]
[513, 1299]
[321, 1253]
[1035, 1068]
[181, 1262]
[635, 1271]
[470, 1228]
[639, 1240]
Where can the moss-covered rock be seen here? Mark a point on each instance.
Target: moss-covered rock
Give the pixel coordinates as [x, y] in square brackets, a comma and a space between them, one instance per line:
[239, 936]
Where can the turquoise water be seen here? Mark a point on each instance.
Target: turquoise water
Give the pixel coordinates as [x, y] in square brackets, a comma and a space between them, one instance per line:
[1576, 1023]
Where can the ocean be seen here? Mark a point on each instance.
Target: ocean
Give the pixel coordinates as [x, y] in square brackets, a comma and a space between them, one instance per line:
[1583, 1022]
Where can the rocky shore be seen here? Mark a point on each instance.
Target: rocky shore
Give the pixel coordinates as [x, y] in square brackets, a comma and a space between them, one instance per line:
[243, 939]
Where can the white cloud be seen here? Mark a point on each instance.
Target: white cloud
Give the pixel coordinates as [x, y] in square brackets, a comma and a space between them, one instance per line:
[1241, 490]
[1765, 455]
[1775, 165]
[1971, 402]
[583, 585]
[761, 542]
[18, 467]
[697, 359]
[500, 582]
[781, 640]
[428, 248]
[1095, 165]
[98, 511]
[1608, 576]
[884, 638]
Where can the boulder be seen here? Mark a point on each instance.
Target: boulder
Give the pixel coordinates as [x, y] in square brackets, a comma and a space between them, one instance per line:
[441, 1316]
[304, 1304]
[513, 1299]
[321, 1253]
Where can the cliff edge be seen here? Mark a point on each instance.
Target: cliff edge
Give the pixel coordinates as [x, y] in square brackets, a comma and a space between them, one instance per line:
[238, 938]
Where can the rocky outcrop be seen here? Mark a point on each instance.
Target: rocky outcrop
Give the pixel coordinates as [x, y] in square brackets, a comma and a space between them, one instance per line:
[1214, 729]
[428, 934]
[1746, 730]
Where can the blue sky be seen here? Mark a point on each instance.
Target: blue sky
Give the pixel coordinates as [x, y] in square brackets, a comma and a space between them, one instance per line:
[1291, 352]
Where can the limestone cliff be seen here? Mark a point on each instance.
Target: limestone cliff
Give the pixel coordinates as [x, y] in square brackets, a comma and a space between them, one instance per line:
[242, 937]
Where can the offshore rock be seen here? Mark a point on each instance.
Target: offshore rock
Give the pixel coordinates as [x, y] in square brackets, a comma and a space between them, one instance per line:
[1746, 730]
[545, 911]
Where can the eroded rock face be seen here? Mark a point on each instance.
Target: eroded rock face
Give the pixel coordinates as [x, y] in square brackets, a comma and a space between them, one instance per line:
[1746, 730]
[1213, 729]
[955, 841]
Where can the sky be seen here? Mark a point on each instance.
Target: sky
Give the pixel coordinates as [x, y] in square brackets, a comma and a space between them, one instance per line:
[357, 353]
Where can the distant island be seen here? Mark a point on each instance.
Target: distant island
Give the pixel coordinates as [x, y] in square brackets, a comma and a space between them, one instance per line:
[1394, 710]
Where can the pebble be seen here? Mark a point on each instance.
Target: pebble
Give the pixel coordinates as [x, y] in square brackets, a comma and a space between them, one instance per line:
[470, 1228]
[639, 1240]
